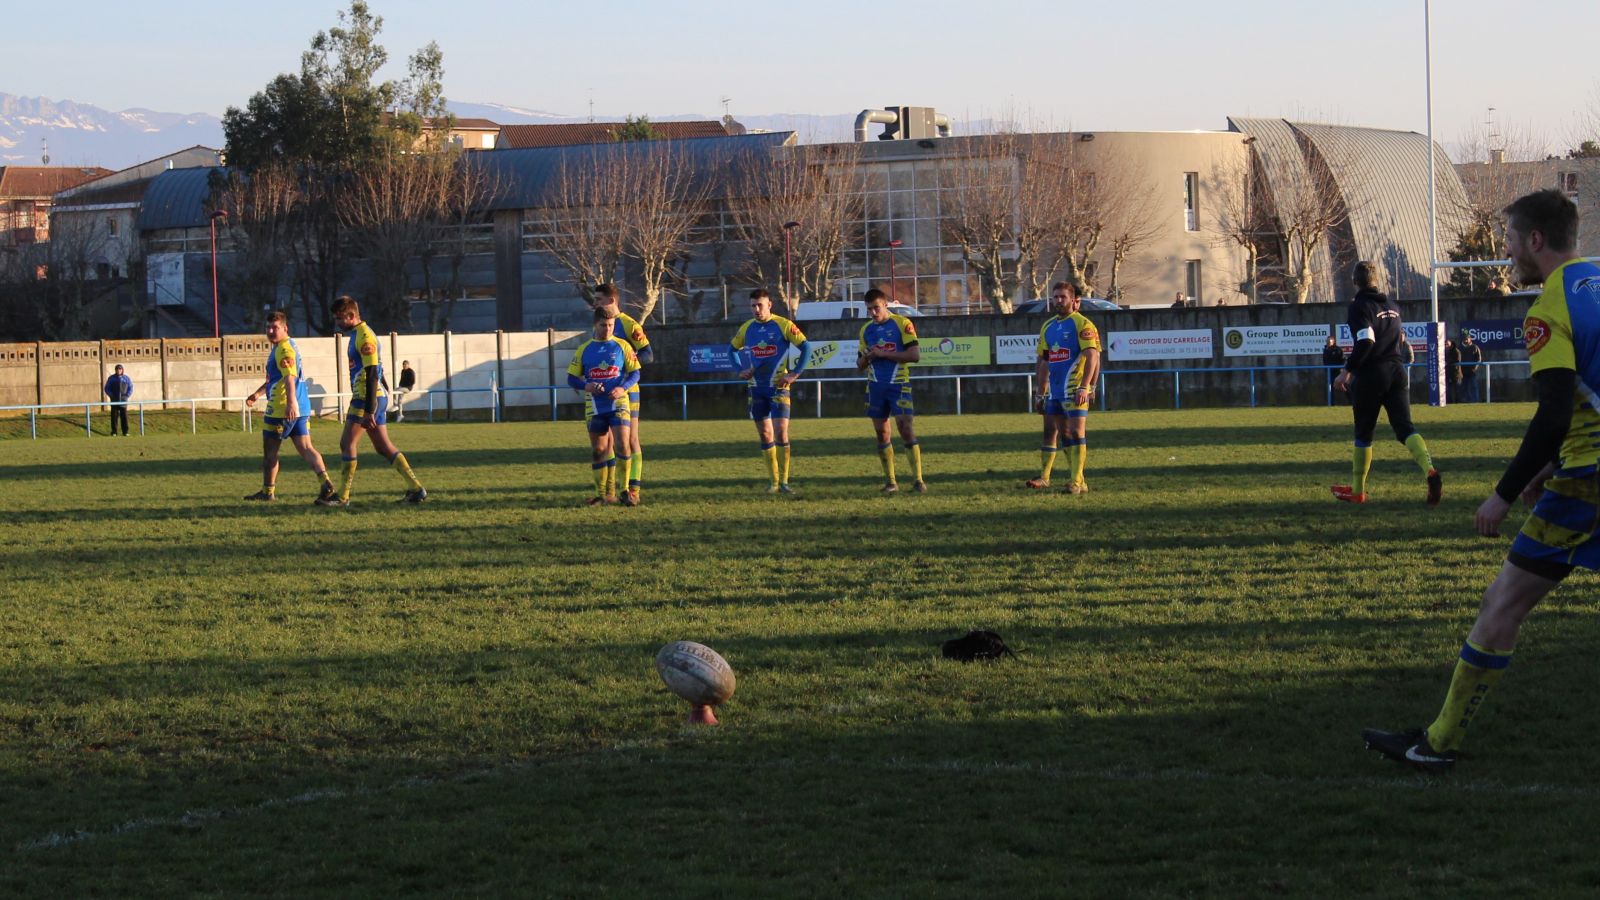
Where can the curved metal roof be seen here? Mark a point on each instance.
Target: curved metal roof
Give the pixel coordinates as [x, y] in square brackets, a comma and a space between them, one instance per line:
[529, 174]
[1382, 178]
[177, 199]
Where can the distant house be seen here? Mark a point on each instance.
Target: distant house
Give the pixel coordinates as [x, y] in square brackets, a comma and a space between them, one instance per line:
[526, 137]
[105, 211]
[468, 134]
[26, 195]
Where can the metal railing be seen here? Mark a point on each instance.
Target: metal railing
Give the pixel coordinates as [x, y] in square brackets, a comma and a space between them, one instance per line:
[496, 406]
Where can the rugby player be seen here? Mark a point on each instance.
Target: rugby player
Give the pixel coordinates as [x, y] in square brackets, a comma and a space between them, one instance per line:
[887, 348]
[1069, 364]
[1556, 469]
[629, 330]
[368, 413]
[761, 350]
[604, 369]
[288, 412]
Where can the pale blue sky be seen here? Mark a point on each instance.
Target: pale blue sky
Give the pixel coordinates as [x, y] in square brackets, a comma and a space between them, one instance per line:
[1129, 65]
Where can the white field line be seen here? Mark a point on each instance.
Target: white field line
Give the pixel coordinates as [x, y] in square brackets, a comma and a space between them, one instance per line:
[1400, 780]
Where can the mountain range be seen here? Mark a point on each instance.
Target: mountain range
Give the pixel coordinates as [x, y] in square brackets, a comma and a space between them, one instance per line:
[80, 134]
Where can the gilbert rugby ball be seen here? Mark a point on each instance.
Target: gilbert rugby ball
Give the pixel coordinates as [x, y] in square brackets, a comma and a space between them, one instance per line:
[695, 672]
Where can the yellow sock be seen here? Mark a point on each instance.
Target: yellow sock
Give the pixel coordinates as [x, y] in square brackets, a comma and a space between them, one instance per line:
[611, 476]
[271, 490]
[1419, 452]
[349, 479]
[1047, 463]
[1478, 670]
[771, 453]
[404, 468]
[1077, 450]
[324, 478]
[886, 456]
[597, 471]
[1360, 464]
[916, 461]
[636, 469]
[783, 462]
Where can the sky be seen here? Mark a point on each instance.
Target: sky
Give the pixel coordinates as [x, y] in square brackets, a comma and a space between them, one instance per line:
[1135, 65]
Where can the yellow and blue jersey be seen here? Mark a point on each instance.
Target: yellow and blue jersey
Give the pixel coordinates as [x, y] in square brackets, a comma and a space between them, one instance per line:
[283, 362]
[630, 331]
[364, 352]
[611, 364]
[764, 348]
[1062, 343]
[1562, 331]
[895, 334]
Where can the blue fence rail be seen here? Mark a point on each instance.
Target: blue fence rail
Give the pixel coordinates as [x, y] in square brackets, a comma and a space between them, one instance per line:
[1105, 393]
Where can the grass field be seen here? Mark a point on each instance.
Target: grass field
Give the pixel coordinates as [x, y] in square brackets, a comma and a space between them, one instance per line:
[204, 697]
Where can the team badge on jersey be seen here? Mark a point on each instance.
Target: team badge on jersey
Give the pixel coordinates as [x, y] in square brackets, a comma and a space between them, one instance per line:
[1535, 333]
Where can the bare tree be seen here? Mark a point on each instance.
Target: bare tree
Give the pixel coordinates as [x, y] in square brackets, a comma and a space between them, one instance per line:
[814, 187]
[460, 228]
[662, 198]
[581, 225]
[1132, 215]
[1241, 217]
[388, 213]
[260, 207]
[980, 202]
[56, 282]
[1490, 179]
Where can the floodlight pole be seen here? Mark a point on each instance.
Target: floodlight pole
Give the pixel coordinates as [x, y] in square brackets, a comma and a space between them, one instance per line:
[216, 317]
[1433, 185]
[893, 246]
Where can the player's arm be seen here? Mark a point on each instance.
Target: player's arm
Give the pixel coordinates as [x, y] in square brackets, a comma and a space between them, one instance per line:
[794, 374]
[1541, 445]
[1363, 332]
[1091, 372]
[291, 398]
[257, 394]
[641, 344]
[741, 359]
[863, 352]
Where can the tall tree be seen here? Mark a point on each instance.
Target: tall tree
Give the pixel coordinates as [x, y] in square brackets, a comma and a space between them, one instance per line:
[1491, 178]
[814, 186]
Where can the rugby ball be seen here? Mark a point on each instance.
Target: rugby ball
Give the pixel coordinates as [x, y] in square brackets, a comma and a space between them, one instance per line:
[695, 672]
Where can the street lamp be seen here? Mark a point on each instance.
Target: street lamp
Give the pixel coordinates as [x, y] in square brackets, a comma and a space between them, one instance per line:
[893, 246]
[788, 272]
[216, 318]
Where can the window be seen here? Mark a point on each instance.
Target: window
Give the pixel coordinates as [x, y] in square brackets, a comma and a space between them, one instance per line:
[1568, 183]
[111, 225]
[1191, 277]
[1191, 201]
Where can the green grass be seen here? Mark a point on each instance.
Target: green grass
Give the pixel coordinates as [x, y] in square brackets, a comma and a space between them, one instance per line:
[202, 697]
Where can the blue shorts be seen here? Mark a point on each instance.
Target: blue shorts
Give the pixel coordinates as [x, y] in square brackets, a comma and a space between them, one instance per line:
[300, 427]
[1564, 527]
[358, 408]
[600, 423]
[769, 403]
[1054, 407]
[885, 401]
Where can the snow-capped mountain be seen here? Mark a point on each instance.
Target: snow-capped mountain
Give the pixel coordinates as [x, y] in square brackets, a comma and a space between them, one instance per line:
[78, 134]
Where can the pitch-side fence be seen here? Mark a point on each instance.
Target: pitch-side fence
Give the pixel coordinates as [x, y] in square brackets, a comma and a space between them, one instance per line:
[423, 402]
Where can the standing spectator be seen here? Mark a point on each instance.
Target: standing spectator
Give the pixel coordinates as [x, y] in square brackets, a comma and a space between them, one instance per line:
[1179, 301]
[118, 389]
[1471, 358]
[1333, 358]
[408, 383]
[1452, 371]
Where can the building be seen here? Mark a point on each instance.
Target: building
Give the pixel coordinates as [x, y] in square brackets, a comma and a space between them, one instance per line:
[1493, 184]
[26, 194]
[525, 137]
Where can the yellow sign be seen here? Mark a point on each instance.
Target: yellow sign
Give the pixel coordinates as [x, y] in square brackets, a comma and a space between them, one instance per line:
[955, 351]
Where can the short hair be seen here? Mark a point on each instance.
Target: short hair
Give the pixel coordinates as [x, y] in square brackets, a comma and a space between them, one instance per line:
[405, 362]
[1064, 284]
[346, 303]
[874, 295]
[604, 314]
[279, 315]
[1548, 212]
[607, 293]
[761, 294]
[119, 367]
[1365, 276]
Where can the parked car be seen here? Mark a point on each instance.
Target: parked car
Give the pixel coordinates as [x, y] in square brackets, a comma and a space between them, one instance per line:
[1043, 306]
[813, 310]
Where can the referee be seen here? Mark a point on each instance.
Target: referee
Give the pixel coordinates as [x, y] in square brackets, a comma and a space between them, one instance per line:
[1375, 377]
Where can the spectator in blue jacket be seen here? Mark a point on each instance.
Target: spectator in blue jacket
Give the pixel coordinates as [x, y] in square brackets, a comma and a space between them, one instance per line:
[118, 390]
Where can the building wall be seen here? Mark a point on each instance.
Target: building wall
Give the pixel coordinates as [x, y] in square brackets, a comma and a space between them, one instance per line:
[1579, 178]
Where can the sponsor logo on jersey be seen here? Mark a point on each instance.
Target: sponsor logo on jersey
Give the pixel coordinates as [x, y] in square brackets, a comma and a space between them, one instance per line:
[602, 373]
[368, 348]
[886, 345]
[1535, 333]
[910, 328]
[1088, 335]
[1060, 354]
[763, 351]
[1589, 283]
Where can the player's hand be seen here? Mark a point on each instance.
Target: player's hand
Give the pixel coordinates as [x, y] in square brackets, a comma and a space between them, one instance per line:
[1082, 396]
[1038, 401]
[1490, 515]
[250, 400]
[746, 373]
[367, 421]
[592, 388]
[1342, 382]
[787, 379]
[617, 393]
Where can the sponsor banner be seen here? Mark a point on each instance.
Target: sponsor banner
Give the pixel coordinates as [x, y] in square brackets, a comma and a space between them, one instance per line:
[1275, 340]
[955, 351]
[711, 358]
[1433, 354]
[1188, 343]
[833, 355]
[1016, 349]
[1416, 335]
[1495, 334]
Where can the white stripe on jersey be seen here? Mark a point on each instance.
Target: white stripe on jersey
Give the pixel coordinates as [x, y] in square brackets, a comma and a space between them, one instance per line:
[1365, 334]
